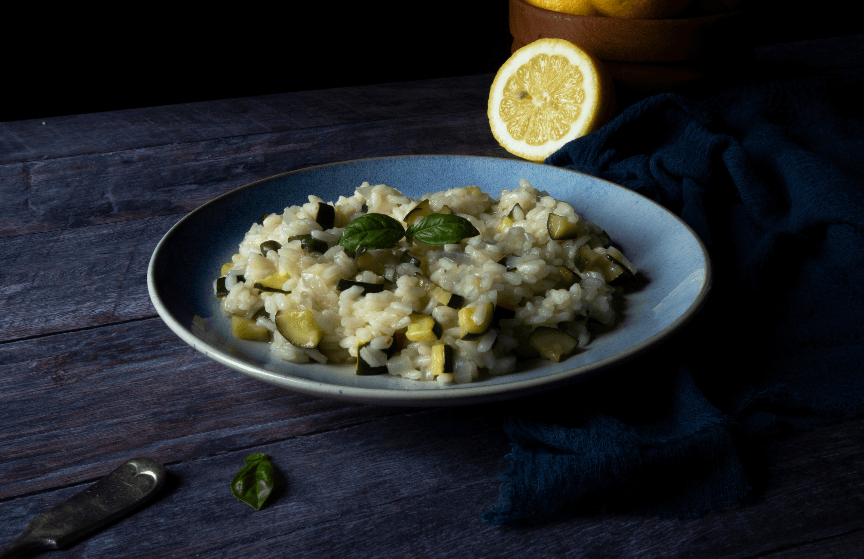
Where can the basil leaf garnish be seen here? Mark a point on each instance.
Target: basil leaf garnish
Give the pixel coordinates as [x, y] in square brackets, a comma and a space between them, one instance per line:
[442, 229]
[255, 481]
[372, 231]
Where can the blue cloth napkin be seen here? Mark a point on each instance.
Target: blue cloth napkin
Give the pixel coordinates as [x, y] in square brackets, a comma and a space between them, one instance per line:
[771, 177]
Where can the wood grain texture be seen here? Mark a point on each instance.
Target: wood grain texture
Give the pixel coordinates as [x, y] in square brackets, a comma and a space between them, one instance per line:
[113, 131]
[77, 278]
[71, 192]
[413, 485]
[74, 403]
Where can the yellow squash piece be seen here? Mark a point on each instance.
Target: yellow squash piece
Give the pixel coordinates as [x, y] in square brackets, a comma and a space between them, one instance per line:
[546, 94]
[273, 282]
[552, 344]
[469, 327]
[423, 328]
[248, 329]
[442, 359]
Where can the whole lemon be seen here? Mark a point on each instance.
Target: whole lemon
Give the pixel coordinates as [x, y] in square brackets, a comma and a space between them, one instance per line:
[640, 9]
[575, 7]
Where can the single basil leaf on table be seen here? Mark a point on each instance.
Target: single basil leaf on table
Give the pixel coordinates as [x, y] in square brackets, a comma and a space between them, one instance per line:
[442, 229]
[372, 231]
[254, 482]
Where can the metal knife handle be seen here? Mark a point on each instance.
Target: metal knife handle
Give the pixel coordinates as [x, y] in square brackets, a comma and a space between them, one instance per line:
[113, 496]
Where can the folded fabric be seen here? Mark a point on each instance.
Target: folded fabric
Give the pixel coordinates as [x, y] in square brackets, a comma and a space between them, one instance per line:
[771, 178]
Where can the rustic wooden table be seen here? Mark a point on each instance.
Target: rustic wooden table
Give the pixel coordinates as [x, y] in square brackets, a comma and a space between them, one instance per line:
[90, 376]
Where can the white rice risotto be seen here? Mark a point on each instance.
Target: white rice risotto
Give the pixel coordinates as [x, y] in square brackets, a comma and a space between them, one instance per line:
[512, 264]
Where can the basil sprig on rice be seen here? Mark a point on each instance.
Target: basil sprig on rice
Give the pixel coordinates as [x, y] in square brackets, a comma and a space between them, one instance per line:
[372, 231]
[376, 231]
[441, 229]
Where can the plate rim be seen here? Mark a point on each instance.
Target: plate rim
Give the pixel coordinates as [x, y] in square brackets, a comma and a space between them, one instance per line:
[463, 394]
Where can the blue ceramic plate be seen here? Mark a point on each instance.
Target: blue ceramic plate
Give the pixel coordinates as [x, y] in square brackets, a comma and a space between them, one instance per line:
[667, 253]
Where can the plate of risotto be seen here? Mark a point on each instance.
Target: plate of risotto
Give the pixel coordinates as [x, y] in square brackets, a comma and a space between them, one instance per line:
[427, 280]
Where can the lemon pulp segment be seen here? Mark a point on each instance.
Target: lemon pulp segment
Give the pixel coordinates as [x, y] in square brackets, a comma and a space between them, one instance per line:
[542, 99]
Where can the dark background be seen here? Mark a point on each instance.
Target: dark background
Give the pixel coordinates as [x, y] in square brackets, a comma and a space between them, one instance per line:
[80, 62]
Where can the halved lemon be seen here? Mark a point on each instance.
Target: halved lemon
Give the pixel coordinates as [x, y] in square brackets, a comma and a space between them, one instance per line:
[548, 93]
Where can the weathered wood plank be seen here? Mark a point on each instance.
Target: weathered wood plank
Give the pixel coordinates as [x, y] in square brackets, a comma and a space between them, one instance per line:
[413, 485]
[113, 131]
[78, 278]
[74, 403]
[71, 192]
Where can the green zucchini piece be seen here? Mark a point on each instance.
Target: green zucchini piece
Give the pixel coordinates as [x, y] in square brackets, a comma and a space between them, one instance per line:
[503, 262]
[551, 343]
[408, 258]
[365, 369]
[587, 259]
[365, 261]
[219, 288]
[418, 212]
[267, 246]
[247, 329]
[425, 283]
[469, 329]
[560, 229]
[567, 277]
[445, 209]
[446, 298]
[423, 328]
[273, 283]
[367, 287]
[442, 359]
[299, 328]
[616, 273]
[440, 294]
[326, 216]
[310, 243]
[514, 215]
